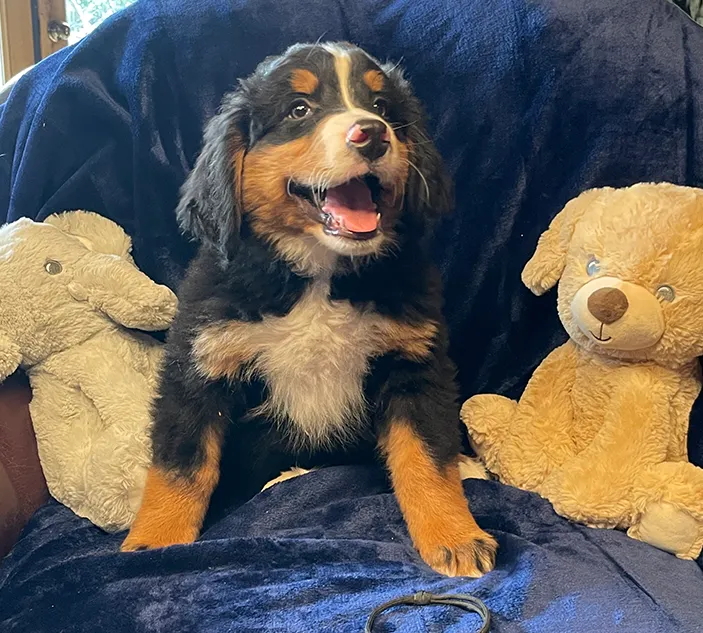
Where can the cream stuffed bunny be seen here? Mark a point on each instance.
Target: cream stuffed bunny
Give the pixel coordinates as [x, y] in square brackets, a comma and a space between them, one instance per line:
[601, 428]
[70, 296]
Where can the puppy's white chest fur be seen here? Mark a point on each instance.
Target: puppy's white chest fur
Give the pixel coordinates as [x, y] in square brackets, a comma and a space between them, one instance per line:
[314, 361]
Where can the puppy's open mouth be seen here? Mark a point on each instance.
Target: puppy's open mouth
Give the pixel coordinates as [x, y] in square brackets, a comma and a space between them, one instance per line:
[346, 210]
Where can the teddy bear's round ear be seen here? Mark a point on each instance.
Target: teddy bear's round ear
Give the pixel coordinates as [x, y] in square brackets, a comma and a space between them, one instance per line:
[549, 260]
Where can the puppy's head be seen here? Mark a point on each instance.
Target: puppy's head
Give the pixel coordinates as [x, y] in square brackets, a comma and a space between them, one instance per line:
[322, 151]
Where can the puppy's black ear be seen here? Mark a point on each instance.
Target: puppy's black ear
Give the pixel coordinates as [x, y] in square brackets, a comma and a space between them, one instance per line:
[429, 192]
[210, 208]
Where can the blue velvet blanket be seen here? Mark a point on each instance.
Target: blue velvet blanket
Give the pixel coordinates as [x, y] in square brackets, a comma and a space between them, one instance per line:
[317, 554]
[531, 101]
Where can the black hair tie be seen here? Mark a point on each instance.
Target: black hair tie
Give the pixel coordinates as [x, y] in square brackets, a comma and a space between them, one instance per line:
[423, 598]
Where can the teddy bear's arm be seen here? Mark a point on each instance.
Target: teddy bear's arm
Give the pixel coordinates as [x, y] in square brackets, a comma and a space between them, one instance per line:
[522, 442]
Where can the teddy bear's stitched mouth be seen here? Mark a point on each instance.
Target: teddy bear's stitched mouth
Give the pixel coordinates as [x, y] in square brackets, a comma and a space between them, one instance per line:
[599, 337]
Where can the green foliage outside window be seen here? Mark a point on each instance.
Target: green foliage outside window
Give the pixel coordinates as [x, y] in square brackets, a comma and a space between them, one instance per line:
[84, 15]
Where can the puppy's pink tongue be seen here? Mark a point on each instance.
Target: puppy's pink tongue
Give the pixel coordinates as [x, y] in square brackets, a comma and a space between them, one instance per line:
[352, 207]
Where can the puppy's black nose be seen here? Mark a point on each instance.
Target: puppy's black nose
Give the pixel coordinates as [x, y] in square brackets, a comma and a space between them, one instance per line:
[370, 137]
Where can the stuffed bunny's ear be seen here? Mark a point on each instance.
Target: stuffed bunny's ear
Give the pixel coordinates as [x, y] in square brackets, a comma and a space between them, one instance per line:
[94, 231]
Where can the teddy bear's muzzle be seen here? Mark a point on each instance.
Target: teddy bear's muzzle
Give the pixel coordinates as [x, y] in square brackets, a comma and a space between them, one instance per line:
[618, 314]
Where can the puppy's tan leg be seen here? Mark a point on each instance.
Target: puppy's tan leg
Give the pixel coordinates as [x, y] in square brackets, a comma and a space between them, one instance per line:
[434, 506]
[174, 504]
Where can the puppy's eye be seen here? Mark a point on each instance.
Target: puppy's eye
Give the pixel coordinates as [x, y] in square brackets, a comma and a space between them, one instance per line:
[299, 110]
[380, 106]
[666, 293]
[592, 267]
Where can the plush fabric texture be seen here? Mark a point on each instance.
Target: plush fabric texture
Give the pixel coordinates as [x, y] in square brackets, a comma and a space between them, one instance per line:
[600, 430]
[69, 292]
[320, 552]
[531, 102]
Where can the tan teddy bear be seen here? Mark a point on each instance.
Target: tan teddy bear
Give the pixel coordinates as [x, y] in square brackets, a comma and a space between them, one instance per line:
[601, 428]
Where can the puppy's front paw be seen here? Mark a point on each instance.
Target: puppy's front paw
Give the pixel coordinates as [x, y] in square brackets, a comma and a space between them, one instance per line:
[471, 557]
[143, 538]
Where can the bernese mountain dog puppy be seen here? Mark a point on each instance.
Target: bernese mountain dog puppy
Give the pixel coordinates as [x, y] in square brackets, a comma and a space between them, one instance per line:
[310, 323]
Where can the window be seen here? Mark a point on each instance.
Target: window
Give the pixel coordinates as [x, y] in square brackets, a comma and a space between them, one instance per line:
[33, 29]
[84, 15]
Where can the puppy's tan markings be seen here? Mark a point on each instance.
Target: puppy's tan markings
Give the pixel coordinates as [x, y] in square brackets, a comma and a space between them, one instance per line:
[222, 350]
[173, 507]
[304, 81]
[413, 341]
[268, 170]
[434, 506]
[374, 80]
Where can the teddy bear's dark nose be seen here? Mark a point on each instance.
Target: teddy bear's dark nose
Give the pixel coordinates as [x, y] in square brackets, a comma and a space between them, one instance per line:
[608, 305]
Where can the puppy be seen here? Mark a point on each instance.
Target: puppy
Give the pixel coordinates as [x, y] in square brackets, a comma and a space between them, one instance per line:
[310, 323]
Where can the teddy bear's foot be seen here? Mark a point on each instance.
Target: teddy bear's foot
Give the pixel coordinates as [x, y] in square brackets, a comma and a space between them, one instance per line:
[669, 528]
[487, 415]
[669, 501]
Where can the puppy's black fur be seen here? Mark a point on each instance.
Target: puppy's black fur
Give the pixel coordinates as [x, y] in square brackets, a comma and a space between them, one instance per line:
[236, 276]
[241, 276]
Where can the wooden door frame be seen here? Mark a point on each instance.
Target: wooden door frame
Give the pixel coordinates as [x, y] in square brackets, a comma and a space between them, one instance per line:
[22, 22]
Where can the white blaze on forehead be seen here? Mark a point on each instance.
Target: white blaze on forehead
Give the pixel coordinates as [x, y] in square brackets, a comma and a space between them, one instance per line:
[342, 66]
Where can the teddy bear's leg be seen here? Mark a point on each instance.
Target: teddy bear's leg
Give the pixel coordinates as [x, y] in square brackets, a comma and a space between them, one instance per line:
[668, 498]
[595, 486]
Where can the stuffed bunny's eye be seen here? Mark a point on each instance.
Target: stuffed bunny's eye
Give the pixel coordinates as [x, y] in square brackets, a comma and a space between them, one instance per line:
[53, 267]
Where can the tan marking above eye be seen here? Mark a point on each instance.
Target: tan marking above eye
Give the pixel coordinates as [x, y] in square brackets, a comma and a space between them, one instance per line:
[304, 81]
[374, 80]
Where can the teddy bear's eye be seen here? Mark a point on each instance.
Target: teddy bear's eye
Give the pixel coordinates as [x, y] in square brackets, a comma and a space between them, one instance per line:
[593, 266]
[53, 267]
[666, 293]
